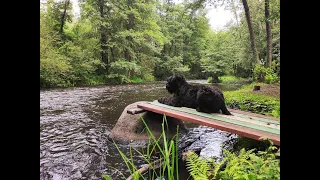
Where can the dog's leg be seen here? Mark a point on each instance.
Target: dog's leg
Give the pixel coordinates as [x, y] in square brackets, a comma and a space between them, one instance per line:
[162, 100]
[176, 101]
[203, 110]
[199, 109]
[166, 101]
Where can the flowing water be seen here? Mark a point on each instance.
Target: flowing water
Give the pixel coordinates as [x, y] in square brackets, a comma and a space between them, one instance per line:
[75, 122]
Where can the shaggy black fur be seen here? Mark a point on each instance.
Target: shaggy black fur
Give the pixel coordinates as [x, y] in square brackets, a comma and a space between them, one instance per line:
[208, 99]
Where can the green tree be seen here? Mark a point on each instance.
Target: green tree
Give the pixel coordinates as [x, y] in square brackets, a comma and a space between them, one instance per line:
[121, 40]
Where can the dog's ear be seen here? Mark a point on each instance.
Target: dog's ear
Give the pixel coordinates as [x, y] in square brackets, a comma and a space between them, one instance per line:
[180, 77]
[180, 80]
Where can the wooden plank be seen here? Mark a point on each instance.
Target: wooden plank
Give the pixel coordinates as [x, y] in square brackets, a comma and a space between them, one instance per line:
[242, 117]
[135, 111]
[253, 114]
[269, 120]
[232, 128]
[250, 121]
[226, 119]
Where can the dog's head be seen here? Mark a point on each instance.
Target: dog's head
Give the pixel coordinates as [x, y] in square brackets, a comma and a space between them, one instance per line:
[174, 83]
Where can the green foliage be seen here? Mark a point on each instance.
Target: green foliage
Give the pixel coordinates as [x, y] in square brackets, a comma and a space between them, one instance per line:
[275, 65]
[66, 59]
[229, 79]
[173, 65]
[202, 169]
[54, 70]
[276, 111]
[246, 165]
[270, 77]
[106, 177]
[122, 70]
[243, 99]
[150, 40]
[135, 79]
[148, 77]
[249, 165]
[198, 168]
[218, 56]
[241, 41]
[262, 74]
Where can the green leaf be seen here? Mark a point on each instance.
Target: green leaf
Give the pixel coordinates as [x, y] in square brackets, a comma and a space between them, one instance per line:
[106, 177]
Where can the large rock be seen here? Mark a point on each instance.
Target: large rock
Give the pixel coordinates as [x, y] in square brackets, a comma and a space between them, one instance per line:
[130, 128]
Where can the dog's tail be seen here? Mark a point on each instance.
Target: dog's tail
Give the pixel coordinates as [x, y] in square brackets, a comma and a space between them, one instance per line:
[225, 110]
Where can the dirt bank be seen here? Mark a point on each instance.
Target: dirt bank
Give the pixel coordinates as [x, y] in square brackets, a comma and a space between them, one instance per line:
[269, 90]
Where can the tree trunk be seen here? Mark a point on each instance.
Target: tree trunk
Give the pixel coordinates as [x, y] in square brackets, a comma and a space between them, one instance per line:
[215, 79]
[130, 26]
[170, 50]
[256, 88]
[234, 10]
[252, 39]
[112, 54]
[103, 36]
[164, 50]
[63, 18]
[269, 34]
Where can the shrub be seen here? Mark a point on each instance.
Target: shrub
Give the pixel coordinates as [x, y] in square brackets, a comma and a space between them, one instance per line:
[262, 74]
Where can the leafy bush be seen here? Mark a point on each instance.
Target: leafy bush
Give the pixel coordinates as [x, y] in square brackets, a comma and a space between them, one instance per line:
[135, 79]
[54, 71]
[270, 78]
[262, 74]
[116, 79]
[148, 77]
[246, 165]
[122, 70]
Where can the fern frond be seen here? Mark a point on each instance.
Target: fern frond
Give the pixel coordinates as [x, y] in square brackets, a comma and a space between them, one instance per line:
[217, 167]
[197, 167]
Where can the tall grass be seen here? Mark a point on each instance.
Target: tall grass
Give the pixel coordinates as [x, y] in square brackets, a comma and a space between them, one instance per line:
[165, 166]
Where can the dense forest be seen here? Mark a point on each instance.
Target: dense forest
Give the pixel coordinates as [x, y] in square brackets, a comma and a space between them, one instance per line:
[121, 41]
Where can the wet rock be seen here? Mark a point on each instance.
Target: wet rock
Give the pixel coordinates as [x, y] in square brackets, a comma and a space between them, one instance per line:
[130, 129]
[207, 142]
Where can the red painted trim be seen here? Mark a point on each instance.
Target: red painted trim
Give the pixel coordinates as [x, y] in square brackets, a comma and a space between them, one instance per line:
[241, 131]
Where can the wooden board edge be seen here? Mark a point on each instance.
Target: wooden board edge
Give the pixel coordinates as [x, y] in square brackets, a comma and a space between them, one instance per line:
[255, 134]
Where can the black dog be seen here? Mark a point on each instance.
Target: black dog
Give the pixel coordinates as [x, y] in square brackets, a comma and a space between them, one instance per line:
[208, 99]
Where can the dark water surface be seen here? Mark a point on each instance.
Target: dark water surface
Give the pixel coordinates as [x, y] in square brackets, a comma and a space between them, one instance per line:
[75, 122]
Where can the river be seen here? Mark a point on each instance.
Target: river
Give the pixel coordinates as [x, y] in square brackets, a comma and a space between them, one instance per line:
[75, 122]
